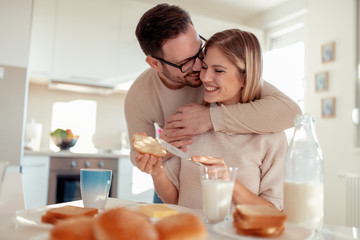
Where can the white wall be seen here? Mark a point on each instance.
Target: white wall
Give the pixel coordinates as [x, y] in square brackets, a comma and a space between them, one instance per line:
[333, 20]
[327, 21]
[15, 19]
[14, 30]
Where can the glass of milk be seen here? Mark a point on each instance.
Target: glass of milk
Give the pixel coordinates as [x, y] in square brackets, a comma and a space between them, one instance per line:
[95, 187]
[217, 184]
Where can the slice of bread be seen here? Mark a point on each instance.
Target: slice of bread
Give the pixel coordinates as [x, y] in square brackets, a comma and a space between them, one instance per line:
[252, 216]
[262, 232]
[53, 215]
[148, 144]
[80, 228]
[259, 220]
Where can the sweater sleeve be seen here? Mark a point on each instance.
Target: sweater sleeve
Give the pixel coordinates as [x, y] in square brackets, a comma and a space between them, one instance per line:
[136, 122]
[172, 170]
[272, 170]
[274, 112]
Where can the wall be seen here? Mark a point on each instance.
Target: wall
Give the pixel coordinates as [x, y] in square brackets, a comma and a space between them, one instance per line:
[333, 20]
[326, 21]
[15, 19]
[110, 119]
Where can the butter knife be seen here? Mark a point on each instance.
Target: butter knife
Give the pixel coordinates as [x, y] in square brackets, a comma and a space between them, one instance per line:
[174, 150]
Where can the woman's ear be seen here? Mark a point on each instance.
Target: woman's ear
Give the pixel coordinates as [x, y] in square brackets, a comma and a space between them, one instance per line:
[243, 79]
[154, 63]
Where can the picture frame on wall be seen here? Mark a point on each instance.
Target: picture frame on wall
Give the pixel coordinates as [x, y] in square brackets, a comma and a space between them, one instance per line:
[321, 81]
[328, 107]
[328, 52]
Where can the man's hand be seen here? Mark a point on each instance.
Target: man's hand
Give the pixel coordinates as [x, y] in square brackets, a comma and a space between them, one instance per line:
[191, 119]
[149, 163]
[179, 143]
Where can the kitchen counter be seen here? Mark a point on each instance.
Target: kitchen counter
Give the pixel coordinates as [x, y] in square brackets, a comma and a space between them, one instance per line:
[66, 154]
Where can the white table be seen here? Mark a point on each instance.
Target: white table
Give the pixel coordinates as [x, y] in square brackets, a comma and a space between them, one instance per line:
[10, 228]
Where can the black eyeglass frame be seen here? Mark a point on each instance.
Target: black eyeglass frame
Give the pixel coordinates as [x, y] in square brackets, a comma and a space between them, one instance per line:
[191, 59]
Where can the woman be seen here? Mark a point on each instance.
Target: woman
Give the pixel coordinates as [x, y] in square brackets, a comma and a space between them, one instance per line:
[231, 73]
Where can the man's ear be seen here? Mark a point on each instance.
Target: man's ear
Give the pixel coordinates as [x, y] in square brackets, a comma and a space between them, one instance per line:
[154, 63]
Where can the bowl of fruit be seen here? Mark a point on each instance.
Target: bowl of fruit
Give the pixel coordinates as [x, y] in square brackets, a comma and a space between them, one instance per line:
[64, 139]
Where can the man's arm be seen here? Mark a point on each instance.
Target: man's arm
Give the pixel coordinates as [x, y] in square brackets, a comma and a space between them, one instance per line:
[272, 113]
[136, 123]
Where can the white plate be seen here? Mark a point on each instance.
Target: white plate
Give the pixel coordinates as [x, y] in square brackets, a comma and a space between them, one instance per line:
[292, 232]
[32, 217]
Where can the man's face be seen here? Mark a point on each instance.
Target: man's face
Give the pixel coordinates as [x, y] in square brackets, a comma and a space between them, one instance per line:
[178, 51]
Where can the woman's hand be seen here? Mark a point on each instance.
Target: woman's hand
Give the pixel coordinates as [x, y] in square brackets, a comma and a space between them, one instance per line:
[217, 166]
[149, 163]
[209, 161]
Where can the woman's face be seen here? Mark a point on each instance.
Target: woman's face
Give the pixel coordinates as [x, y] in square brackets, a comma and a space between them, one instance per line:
[221, 78]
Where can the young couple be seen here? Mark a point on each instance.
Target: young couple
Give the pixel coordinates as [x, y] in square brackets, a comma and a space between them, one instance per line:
[240, 125]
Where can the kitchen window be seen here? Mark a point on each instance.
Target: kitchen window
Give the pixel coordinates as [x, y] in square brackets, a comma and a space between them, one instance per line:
[80, 117]
[284, 67]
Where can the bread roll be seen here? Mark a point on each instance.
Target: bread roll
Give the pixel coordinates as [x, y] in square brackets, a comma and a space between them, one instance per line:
[184, 226]
[80, 228]
[147, 144]
[123, 223]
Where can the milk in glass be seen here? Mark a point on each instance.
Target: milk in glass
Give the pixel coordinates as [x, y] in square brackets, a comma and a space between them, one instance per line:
[217, 195]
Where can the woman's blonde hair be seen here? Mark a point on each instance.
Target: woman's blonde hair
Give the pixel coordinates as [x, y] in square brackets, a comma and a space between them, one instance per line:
[243, 50]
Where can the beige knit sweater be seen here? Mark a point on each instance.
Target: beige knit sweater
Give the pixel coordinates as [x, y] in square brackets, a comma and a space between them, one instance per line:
[149, 101]
[260, 159]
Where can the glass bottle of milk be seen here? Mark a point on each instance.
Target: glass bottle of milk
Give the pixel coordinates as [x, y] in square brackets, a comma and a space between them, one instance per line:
[304, 189]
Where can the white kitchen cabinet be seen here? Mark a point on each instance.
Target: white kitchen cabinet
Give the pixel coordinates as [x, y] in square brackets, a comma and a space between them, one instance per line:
[42, 39]
[35, 175]
[87, 41]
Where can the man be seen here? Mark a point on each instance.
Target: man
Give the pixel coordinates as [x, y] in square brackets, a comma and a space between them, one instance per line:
[170, 92]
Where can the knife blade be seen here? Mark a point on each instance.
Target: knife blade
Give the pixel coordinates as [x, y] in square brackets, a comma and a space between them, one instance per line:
[174, 150]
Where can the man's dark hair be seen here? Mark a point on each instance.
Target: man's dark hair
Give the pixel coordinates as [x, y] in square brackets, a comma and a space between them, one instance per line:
[159, 24]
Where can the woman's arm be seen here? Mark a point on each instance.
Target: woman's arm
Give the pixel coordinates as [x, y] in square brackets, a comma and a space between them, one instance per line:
[242, 195]
[274, 112]
[164, 188]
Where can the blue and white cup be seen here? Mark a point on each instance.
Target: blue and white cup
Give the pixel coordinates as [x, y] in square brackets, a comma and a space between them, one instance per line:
[95, 187]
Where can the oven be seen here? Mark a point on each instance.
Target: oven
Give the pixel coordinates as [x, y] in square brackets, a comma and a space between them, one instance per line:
[64, 177]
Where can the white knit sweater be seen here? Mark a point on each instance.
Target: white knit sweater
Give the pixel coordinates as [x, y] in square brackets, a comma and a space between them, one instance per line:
[260, 159]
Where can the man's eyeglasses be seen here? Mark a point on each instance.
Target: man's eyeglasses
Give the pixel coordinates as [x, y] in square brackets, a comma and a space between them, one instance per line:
[186, 66]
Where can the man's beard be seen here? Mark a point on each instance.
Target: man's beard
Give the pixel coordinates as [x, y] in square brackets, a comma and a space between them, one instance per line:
[187, 80]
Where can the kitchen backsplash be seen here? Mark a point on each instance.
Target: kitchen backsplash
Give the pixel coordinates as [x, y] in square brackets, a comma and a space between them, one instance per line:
[109, 120]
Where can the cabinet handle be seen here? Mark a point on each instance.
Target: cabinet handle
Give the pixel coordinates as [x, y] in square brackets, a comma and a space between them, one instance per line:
[101, 164]
[73, 164]
[87, 164]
